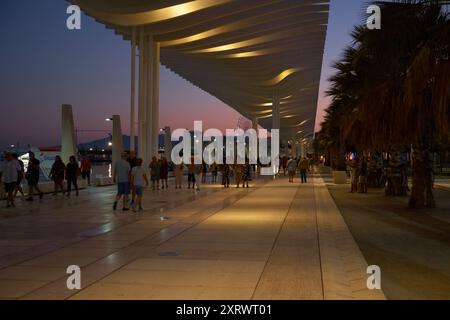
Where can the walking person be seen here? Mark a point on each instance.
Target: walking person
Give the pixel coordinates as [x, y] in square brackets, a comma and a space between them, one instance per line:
[362, 180]
[57, 175]
[354, 175]
[246, 174]
[10, 172]
[198, 168]
[204, 171]
[20, 176]
[72, 173]
[291, 167]
[132, 160]
[214, 171]
[226, 175]
[85, 168]
[179, 175]
[303, 167]
[138, 177]
[155, 171]
[164, 172]
[237, 170]
[284, 162]
[32, 176]
[191, 174]
[121, 176]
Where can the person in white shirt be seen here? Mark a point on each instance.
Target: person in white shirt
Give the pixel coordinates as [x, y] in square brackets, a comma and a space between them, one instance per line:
[10, 173]
[138, 177]
[121, 176]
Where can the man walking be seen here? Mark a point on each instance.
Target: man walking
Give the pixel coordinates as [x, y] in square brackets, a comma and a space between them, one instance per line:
[85, 168]
[32, 177]
[121, 176]
[303, 167]
[10, 173]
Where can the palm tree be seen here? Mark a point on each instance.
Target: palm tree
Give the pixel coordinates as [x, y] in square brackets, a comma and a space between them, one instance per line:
[390, 89]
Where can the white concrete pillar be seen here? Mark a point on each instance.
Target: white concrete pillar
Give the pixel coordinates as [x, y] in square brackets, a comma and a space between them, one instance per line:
[142, 132]
[149, 56]
[132, 91]
[155, 97]
[168, 143]
[275, 120]
[68, 143]
[117, 140]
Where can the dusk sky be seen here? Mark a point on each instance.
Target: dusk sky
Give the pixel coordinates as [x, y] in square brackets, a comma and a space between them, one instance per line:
[44, 65]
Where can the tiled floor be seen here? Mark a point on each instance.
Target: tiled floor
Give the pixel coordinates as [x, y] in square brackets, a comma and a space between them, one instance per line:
[275, 240]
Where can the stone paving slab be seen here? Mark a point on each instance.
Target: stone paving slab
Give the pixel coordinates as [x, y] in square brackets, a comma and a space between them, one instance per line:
[274, 241]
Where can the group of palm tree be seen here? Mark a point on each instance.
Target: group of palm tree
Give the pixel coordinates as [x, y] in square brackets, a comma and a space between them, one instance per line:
[391, 91]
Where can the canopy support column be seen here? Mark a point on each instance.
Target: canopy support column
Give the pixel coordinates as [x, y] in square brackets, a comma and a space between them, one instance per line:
[132, 91]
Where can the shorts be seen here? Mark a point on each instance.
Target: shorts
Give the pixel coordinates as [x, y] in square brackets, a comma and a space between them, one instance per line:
[123, 188]
[139, 190]
[362, 179]
[10, 187]
[191, 177]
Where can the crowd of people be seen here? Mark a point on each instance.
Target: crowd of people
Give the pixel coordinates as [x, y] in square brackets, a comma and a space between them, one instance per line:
[358, 175]
[130, 176]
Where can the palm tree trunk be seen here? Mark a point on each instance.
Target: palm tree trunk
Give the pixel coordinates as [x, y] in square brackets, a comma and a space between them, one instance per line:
[422, 180]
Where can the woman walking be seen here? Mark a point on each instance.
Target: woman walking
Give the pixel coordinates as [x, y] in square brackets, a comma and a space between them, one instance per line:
[57, 175]
[226, 175]
[246, 174]
[72, 173]
[204, 171]
[164, 172]
[237, 174]
[155, 170]
[32, 176]
[179, 175]
[292, 167]
[20, 176]
[214, 170]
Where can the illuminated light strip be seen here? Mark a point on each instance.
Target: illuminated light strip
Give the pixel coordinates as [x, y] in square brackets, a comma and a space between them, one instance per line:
[136, 19]
[265, 117]
[283, 75]
[302, 123]
[263, 112]
[196, 37]
[268, 104]
[238, 45]
[220, 30]
[248, 54]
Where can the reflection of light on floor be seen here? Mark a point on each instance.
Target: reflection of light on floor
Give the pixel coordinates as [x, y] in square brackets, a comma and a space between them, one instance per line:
[109, 171]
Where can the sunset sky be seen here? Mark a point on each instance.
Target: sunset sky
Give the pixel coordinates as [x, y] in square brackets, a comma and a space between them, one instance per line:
[44, 65]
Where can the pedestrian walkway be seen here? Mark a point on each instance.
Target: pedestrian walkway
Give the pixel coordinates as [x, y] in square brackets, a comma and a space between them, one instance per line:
[274, 241]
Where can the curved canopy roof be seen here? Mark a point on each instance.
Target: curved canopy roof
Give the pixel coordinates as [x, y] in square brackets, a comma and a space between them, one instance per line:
[239, 51]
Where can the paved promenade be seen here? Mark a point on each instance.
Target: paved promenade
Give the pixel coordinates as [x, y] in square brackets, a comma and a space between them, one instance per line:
[275, 240]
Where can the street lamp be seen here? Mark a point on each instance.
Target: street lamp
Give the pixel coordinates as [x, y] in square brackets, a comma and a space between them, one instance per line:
[108, 119]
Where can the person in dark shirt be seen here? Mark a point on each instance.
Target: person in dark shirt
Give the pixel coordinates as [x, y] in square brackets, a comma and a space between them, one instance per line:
[164, 172]
[57, 174]
[20, 176]
[72, 173]
[32, 177]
